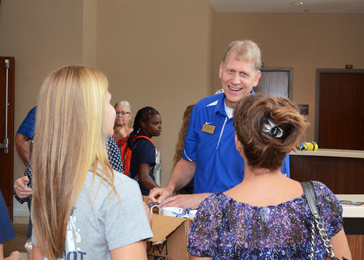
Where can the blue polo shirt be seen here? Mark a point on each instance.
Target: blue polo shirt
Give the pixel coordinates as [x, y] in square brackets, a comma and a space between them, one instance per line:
[219, 166]
[27, 126]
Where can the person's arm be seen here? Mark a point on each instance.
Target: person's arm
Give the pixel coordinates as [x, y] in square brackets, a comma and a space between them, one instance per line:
[182, 174]
[22, 144]
[13, 255]
[200, 258]
[37, 253]
[340, 245]
[137, 251]
[119, 133]
[144, 176]
[149, 215]
[21, 188]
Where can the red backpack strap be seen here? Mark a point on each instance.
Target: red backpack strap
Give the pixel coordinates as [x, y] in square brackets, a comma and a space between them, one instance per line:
[145, 137]
[121, 143]
[125, 153]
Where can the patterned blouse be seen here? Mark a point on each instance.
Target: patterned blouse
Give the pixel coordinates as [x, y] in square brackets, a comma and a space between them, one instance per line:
[228, 229]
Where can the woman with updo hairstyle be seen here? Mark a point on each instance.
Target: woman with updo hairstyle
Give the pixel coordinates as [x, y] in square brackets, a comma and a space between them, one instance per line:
[266, 216]
[147, 123]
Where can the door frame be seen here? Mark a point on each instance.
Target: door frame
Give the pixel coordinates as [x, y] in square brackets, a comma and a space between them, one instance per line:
[317, 91]
[7, 171]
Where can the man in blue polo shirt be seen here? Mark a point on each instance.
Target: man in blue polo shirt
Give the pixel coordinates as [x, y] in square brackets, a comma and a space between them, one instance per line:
[209, 153]
[25, 135]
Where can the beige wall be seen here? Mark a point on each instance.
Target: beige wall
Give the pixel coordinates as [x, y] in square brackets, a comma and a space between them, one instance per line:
[42, 36]
[156, 53]
[304, 42]
[159, 54]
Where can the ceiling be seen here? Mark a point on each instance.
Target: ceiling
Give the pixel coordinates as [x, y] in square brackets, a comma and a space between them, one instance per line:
[286, 6]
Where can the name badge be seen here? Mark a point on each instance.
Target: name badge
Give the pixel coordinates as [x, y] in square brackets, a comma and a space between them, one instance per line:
[208, 129]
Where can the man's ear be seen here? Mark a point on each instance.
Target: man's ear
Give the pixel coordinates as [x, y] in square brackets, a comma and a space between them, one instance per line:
[220, 71]
[257, 77]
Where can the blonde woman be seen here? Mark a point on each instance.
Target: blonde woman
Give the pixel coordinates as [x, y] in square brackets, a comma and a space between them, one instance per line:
[82, 209]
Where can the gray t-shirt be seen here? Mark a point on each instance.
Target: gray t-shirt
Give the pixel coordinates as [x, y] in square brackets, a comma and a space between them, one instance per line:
[98, 225]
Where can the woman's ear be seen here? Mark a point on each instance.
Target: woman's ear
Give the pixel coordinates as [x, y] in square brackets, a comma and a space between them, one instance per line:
[239, 146]
[143, 124]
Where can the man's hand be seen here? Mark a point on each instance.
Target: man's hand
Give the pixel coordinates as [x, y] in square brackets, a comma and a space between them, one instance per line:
[157, 195]
[192, 201]
[21, 188]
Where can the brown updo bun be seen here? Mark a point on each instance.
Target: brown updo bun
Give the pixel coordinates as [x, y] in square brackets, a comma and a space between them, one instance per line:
[268, 127]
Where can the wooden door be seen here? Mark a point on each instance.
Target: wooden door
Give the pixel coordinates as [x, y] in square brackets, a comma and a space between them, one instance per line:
[341, 110]
[7, 77]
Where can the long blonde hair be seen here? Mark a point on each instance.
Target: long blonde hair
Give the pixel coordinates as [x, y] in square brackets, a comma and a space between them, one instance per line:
[69, 141]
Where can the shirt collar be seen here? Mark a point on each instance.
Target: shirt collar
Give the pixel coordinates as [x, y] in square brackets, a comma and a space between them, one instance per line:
[220, 106]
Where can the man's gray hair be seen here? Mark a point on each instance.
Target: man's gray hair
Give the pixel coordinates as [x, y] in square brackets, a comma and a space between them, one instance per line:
[245, 50]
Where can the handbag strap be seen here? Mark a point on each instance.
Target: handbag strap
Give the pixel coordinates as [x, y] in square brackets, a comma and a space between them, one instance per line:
[311, 199]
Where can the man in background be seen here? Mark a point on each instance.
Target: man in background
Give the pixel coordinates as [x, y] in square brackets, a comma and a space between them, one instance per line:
[23, 143]
[24, 136]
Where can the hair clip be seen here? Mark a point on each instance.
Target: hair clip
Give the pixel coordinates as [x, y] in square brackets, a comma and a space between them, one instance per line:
[273, 130]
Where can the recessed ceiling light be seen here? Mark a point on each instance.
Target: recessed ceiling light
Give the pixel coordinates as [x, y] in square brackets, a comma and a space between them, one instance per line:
[297, 3]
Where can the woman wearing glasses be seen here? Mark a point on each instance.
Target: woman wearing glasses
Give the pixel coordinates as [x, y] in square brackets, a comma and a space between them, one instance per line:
[122, 120]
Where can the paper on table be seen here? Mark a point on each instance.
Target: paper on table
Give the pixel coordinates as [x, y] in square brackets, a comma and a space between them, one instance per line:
[351, 203]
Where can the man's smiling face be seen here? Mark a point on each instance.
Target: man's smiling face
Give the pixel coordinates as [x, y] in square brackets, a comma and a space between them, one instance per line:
[238, 78]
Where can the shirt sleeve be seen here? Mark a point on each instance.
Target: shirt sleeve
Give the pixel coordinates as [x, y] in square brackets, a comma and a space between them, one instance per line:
[6, 228]
[114, 155]
[125, 222]
[191, 139]
[28, 125]
[204, 232]
[330, 209]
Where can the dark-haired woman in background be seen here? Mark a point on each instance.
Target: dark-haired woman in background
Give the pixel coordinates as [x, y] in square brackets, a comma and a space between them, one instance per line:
[266, 216]
[147, 123]
[188, 189]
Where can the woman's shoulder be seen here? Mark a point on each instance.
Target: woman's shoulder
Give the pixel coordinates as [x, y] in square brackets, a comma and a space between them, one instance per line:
[215, 201]
[321, 189]
[102, 186]
[143, 142]
[326, 199]
[125, 185]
